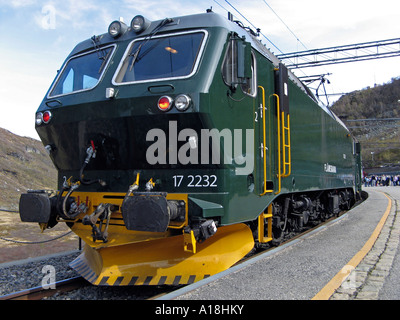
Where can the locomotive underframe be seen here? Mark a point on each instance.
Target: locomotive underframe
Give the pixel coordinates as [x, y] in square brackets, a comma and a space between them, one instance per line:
[290, 214]
[114, 255]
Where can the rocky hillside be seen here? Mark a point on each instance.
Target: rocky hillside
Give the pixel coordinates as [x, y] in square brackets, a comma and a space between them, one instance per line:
[381, 101]
[373, 116]
[24, 164]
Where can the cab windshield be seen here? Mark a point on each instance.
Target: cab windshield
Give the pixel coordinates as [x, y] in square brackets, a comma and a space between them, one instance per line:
[164, 57]
[81, 72]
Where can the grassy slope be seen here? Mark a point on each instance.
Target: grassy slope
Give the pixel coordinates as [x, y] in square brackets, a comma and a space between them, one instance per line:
[24, 164]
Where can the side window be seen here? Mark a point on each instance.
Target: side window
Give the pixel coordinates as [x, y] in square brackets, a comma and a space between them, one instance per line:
[239, 67]
[249, 85]
[229, 67]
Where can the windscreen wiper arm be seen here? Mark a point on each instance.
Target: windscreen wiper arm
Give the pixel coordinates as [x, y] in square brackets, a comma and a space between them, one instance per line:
[102, 54]
[147, 39]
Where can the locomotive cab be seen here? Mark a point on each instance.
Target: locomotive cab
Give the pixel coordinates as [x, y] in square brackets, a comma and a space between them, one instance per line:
[128, 123]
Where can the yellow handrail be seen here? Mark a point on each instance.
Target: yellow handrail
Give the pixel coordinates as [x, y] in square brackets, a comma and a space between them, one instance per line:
[286, 146]
[261, 226]
[264, 144]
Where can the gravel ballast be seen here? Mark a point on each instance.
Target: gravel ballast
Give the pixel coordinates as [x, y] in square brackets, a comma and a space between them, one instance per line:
[25, 274]
[30, 273]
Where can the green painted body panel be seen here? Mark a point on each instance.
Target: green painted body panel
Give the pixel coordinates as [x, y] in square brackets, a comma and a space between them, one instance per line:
[118, 127]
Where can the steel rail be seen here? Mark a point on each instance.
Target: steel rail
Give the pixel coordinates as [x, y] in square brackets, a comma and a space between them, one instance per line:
[38, 293]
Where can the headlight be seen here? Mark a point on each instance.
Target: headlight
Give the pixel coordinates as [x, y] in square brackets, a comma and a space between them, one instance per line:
[182, 102]
[139, 24]
[39, 118]
[117, 28]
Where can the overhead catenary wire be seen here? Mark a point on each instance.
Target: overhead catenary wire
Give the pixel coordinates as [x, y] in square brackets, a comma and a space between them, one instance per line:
[260, 33]
[284, 23]
[252, 25]
[292, 32]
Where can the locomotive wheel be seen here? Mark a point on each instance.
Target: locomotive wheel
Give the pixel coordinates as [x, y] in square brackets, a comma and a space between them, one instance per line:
[278, 235]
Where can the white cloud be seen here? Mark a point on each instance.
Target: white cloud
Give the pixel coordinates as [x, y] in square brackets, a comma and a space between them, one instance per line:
[322, 23]
[18, 3]
[71, 15]
[157, 10]
[22, 90]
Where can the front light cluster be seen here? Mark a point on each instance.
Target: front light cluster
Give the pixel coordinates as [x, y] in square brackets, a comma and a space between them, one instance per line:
[182, 102]
[138, 25]
[43, 117]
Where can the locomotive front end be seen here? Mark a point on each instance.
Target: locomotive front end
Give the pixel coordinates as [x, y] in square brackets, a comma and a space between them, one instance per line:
[122, 123]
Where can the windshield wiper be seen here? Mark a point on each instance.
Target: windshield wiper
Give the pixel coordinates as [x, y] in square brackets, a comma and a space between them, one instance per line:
[135, 55]
[102, 54]
[147, 39]
[105, 59]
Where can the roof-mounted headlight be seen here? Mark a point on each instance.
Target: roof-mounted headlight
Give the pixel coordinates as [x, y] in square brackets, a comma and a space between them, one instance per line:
[139, 24]
[117, 28]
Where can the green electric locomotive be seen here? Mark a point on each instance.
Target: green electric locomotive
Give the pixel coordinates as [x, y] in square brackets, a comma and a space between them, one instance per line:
[180, 144]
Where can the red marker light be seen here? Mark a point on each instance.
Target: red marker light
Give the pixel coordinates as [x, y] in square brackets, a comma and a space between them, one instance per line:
[164, 103]
[46, 116]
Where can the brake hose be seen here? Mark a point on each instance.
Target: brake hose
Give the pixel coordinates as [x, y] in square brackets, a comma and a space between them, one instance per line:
[91, 153]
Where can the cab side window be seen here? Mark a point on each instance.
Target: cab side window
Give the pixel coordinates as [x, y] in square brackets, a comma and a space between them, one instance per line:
[239, 67]
[229, 67]
[249, 85]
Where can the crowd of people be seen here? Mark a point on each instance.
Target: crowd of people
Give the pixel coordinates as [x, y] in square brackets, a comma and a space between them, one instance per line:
[381, 180]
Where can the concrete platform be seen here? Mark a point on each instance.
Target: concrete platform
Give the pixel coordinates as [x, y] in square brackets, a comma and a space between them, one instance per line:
[334, 262]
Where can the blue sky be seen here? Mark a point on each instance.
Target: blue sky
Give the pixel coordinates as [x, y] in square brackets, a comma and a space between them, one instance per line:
[38, 35]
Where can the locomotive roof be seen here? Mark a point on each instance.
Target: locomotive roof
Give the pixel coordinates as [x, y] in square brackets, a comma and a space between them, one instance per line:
[197, 21]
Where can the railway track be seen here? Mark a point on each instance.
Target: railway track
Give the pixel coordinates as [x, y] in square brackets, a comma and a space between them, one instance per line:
[68, 285]
[63, 287]
[38, 293]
